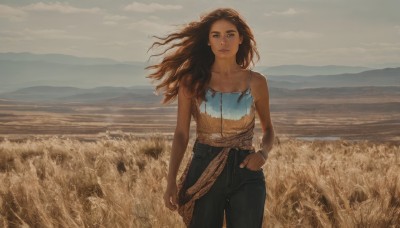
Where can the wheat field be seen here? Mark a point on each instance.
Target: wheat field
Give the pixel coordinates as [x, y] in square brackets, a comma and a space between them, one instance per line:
[119, 182]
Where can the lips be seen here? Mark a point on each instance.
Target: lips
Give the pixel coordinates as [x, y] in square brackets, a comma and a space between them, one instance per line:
[223, 50]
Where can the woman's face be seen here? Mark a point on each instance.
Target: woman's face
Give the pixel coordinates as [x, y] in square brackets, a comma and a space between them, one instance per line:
[224, 39]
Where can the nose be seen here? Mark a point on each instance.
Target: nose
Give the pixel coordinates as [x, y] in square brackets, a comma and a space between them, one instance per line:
[223, 40]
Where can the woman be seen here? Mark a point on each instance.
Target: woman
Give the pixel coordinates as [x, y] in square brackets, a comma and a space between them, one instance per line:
[206, 67]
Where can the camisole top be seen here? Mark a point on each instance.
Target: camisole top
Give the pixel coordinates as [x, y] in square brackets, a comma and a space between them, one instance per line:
[223, 118]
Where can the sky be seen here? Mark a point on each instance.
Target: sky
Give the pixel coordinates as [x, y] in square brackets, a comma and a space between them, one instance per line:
[307, 32]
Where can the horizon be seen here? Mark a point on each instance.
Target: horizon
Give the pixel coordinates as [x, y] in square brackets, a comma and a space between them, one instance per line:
[389, 65]
[306, 32]
[22, 70]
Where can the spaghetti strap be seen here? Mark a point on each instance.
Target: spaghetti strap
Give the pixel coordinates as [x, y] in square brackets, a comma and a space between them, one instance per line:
[247, 90]
[249, 79]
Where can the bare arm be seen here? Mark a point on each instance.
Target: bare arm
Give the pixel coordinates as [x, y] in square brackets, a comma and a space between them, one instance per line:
[261, 95]
[181, 135]
[179, 144]
[259, 88]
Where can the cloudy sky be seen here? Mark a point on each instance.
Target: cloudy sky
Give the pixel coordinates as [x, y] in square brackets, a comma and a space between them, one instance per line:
[309, 32]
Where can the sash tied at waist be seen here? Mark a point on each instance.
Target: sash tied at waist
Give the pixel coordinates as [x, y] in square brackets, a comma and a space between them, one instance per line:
[188, 196]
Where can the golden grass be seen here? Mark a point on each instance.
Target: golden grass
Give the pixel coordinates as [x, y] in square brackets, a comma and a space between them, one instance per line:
[119, 183]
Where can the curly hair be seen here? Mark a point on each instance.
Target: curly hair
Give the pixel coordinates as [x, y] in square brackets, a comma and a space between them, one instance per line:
[189, 59]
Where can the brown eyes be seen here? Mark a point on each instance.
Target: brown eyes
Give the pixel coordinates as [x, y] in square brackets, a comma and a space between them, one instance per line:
[227, 35]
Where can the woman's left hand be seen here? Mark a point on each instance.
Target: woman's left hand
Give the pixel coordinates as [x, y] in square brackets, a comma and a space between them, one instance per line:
[253, 161]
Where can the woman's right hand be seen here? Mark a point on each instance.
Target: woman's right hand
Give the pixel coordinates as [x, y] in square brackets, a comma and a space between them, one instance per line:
[170, 196]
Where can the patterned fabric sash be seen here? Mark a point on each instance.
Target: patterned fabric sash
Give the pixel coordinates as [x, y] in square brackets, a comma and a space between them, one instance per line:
[188, 196]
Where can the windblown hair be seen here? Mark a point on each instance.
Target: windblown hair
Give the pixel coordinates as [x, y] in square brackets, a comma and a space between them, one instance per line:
[189, 58]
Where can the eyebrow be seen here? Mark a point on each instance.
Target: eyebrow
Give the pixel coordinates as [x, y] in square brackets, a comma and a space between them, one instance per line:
[228, 31]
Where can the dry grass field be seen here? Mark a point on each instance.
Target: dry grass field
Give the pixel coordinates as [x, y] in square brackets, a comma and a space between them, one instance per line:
[119, 181]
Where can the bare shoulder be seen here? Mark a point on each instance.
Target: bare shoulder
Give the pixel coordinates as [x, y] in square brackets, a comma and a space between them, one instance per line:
[258, 79]
[184, 87]
[258, 85]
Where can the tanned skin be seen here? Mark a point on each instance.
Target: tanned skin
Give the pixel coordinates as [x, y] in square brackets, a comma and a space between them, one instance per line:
[226, 76]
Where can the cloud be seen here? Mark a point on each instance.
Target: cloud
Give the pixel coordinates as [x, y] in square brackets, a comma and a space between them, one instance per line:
[8, 35]
[150, 27]
[41, 34]
[55, 34]
[346, 50]
[288, 12]
[113, 19]
[149, 8]
[382, 46]
[12, 14]
[122, 44]
[59, 7]
[292, 34]
[296, 51]
[397, 28]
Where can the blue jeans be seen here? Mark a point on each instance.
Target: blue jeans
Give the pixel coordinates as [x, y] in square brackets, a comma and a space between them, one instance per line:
[240, 192]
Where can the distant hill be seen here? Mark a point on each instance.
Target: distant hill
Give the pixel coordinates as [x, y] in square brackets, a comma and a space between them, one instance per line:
[340, 92]
[20, 74]
[144, 94]
[22, 70]
[302, 70]
[381, 77]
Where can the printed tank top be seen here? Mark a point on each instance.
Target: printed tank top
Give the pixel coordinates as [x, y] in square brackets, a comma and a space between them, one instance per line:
[225, 118]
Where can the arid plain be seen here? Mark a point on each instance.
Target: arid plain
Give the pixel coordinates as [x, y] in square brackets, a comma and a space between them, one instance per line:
[375, 118]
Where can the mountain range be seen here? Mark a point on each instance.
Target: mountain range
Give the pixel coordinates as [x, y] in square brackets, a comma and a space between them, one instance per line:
[301, 70]
[20, 70]
[64, 78]
[136, 94]
[24, 70]
[379, 77]
[145, 94]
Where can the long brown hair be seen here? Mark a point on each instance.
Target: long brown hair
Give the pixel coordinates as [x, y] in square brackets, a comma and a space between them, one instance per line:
[188, 54]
